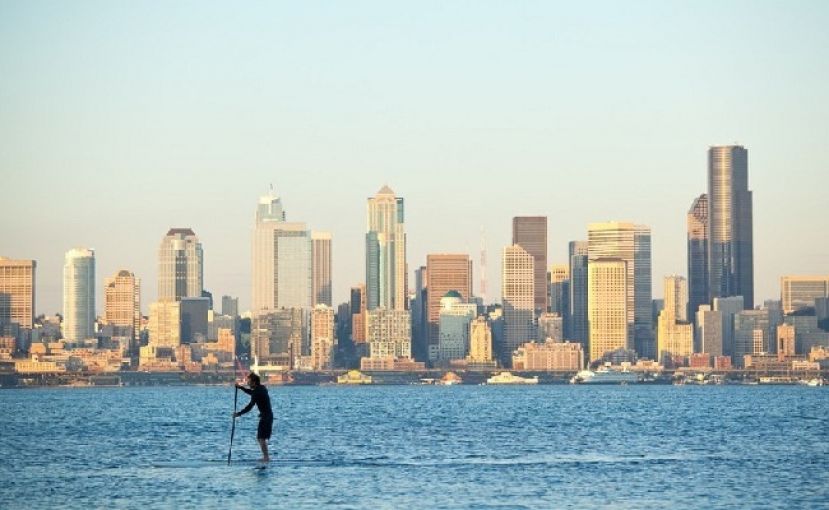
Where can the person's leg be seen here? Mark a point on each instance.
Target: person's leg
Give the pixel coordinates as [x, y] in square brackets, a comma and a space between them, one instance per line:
[263, 445]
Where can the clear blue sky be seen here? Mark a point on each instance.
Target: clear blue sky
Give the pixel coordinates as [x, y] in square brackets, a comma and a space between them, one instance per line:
[119, 120]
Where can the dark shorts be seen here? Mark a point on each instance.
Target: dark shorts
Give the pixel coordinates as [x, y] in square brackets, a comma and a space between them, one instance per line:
[265, 427]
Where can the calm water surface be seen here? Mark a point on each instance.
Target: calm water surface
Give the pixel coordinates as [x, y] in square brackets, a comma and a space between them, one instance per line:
[419, 447]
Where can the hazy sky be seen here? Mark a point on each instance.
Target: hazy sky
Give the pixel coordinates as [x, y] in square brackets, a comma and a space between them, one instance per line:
[119, 120]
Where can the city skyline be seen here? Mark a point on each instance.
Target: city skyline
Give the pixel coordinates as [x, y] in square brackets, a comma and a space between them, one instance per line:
[465, 151]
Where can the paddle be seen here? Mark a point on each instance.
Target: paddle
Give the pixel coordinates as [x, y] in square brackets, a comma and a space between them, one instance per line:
[233, 426]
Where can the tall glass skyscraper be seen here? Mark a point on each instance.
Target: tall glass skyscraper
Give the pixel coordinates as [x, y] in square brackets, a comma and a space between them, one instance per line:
[282, 265]
[386, 252]
[79, 294]
[576, 328]
[730, 245]
[698, 255]
[518, 299]
[180, 265]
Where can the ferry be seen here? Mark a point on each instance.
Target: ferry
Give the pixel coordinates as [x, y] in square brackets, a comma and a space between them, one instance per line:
[817, 381]
[605, 376]
[509, 378]
[450, 379]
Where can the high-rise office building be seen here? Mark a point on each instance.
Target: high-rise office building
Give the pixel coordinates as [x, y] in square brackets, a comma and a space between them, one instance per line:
[576, 328]
[389, 333]
[455, 316]
[358, 315]
[698, 255]
[180, 265]
[386, 252]
[323, 341]
[730, 235]
[282, 267]
[631, 243]
[800, 292]
[194, 312]
[122, 303]
[420, 326]
[785, 341]
[559, 290]
[607, 314]
[230, 306]
[530, 233]
[751, 334]
[278, 337]
[550, 327]
[518, 299]
[17, 292]
[79, 294]
[321, 270]
[728, 307]
[709, 331]
[675, 336]
[445, 272]
[480, 341]
[164, 326]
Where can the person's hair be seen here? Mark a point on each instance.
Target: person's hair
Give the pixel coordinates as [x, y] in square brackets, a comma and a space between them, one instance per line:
[254, 378]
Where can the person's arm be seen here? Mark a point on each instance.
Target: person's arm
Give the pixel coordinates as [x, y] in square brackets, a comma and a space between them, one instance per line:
[246, 390]
[247, 407]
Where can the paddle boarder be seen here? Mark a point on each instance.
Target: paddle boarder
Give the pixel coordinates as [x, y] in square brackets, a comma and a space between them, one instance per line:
[259, 397]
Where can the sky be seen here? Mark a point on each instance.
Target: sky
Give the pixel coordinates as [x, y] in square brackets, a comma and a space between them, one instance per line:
[119, 120]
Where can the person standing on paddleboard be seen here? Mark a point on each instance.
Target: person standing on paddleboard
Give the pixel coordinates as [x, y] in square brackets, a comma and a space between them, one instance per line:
[259, 397]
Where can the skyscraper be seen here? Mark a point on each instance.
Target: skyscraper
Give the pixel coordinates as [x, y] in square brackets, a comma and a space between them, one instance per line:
[321, 271]
[607, 314]
[455, 316]
[323, 341]
[631, 243]
[180, 265]
[730, 235]
[751, 334]
[282, 267]
[576, 328]
[122, 303]
[230, 306]
[17, 292]
[389, 333]
[800, 292]
[518, 299]
[358, 318]
[164, 326]
[559, 290]
[79, 294]
[444, 272]
[480, 341]
[530, 233]
[698, 255]
[386, 252]
[675, 334]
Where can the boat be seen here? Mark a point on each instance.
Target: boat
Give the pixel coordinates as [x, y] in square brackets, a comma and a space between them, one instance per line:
[605, 376]
[354, 377]
[509, 378]
[817, 381]
[450, 379]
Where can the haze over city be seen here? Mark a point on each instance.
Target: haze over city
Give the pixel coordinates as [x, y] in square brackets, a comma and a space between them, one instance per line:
[118, 122]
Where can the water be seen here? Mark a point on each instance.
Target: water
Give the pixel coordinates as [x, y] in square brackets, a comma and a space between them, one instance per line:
[419, 447]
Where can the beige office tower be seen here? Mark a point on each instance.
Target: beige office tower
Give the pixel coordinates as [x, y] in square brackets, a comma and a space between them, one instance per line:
[675, 336]
[79, 294]
[321, 270]
[122, 302]
[323, 340]
[785, 340]
[799, 292]
[389, 333]
[530, 233]
[480, 341]
[517, 298]
[632, 244]
[445, 272]
[180, 265]
[164, 326]
[17, 292]
[607, 314]
[386, 252]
